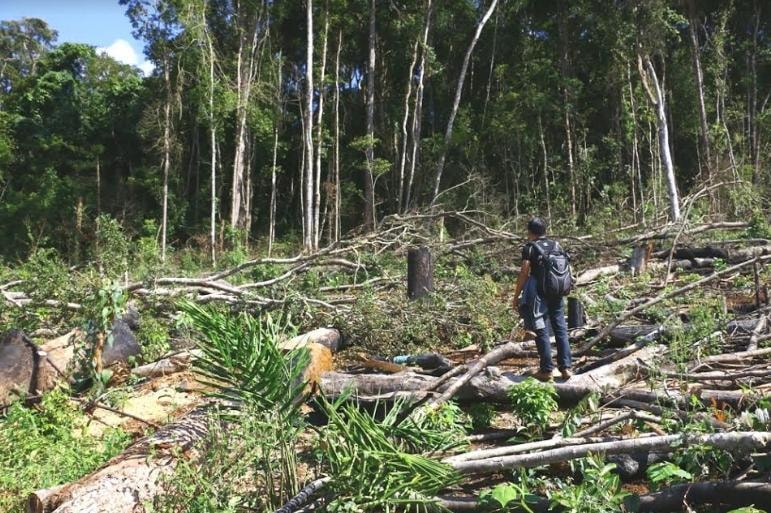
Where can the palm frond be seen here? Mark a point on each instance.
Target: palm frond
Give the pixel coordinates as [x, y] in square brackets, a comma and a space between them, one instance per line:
[242, 361]
[371, 470]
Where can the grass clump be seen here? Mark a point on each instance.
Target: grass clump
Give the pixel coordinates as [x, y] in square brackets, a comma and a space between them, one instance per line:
[48, 446]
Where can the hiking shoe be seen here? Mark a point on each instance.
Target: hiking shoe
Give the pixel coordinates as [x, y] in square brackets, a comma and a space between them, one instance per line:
[543, 375]
[566, 374]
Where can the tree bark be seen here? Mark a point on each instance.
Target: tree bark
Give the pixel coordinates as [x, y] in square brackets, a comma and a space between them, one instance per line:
[456, 101]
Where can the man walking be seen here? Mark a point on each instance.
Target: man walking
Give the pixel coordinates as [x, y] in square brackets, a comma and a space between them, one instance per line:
[543, 281]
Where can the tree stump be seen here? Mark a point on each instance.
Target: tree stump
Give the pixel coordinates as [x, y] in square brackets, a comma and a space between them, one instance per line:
[420, 272]
[576, 317]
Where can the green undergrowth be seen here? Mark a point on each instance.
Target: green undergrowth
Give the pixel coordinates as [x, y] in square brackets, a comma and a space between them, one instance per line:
[46, 446]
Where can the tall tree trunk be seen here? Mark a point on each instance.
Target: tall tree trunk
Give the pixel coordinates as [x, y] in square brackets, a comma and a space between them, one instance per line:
[213, 137]
[418, 107]
[337, 137]
[308, 129]
[546, 185]
[405, 121]
[272, 223]
[245, 72]
[657, 98]
[565, 71]
[706, 161]
[492, 69]
[319, 138]
[753, 104]
[369, 182]
[166, 158]
[98, 187]
[456, 101]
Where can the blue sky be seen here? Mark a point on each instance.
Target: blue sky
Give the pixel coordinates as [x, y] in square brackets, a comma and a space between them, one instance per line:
[102, 23]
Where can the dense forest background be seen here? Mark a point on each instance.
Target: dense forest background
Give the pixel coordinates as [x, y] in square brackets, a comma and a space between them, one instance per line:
[253, 128]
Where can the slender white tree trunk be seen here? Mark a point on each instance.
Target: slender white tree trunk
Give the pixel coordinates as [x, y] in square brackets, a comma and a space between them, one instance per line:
[405, 121]
[697, 71]
[166, 159]
[308, 129]
[337, 224]
[418, 108]
[246, 61]
[657, 98]
[319, 140]
[456, 101]
[369, 183]
[272, 223]
[213, 137]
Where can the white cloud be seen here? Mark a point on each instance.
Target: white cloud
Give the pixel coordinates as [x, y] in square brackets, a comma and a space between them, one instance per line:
[122, 51]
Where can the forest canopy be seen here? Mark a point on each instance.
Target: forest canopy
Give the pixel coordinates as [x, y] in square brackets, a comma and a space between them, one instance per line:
[252, 127]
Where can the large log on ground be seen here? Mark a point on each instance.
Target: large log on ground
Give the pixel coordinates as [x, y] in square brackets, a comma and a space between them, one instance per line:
[488, 385]
[127, 481]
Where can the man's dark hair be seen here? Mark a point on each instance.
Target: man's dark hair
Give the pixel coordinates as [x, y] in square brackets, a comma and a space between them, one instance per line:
[537, 226]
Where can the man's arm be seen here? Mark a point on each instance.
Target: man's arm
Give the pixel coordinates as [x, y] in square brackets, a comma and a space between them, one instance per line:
[524, 272]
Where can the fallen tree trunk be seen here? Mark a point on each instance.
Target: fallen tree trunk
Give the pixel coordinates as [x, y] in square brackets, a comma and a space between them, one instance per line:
[126, 482]
[737, 442]
[728, 493]
[673, 499]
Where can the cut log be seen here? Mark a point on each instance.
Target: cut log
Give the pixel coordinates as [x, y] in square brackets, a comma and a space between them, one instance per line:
[28, 369]
[640, 256]
[165, 366]
[126, 482]
[576, 314]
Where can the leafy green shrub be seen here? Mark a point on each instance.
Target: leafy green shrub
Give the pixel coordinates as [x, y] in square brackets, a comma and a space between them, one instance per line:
[482, 416]
[705, 319]
[47, 447]
[154, 338]
[666, 473]
[599, 490]
[506, 496]
[533, 402]
[111, 249]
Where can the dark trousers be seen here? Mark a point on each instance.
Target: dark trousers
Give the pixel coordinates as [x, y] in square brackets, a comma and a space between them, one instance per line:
[555, 314]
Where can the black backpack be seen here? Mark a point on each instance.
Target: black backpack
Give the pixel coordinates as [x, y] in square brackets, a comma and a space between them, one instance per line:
[553, 276]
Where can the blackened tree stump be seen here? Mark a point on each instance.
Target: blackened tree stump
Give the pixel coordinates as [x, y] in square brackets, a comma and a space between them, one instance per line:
[420, 272]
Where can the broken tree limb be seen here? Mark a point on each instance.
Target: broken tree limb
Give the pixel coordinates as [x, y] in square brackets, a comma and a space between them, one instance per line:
[737, 442]
[496, 355]
[757, 332]
[737, 357]
[663, 297]
[623, 353]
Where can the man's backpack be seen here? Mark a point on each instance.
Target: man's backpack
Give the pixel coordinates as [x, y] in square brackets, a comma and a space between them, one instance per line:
[554, 279]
